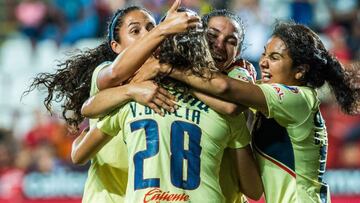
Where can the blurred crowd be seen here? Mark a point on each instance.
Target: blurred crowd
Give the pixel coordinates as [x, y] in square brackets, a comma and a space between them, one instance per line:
[45, 147]
[67, 21]
[44, 150]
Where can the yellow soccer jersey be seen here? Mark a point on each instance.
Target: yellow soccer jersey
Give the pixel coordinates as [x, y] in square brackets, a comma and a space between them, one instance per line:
[291, 145]
[107, 176]
[175, 158]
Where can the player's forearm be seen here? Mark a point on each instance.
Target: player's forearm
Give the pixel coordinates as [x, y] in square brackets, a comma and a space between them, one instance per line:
[131, 59]
[214, 86]
[238, 92]
[248, 173]
[86, 145]
[105, 101]
[220, 106]
[75, 145]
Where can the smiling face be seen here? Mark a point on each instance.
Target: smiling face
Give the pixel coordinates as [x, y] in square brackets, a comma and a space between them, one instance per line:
[223, 39]
[276, 64]
[135, 25]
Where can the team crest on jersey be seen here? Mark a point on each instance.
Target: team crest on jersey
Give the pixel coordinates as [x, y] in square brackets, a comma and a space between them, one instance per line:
[278, 90]
[157, 195]
[292, 89]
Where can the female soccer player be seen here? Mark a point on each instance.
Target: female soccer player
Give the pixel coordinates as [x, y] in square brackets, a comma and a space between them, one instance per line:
[289, 135]
[176, 157]
[225, 34]
[72, 81]
[107, 176]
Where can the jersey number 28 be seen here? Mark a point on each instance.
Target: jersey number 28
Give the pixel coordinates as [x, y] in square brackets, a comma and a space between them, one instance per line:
[178, 154]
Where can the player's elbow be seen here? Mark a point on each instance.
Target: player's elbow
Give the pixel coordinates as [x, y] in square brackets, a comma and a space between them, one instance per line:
[222, 86]
[77, 160]
[234, 110]
[117, 76]
[256, 191]
[87, 113]
[256, 194]
[76, 157]
[87, 110]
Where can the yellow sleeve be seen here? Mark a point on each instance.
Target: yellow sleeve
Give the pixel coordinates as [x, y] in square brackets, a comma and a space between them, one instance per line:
[110, 124]
[94, 88]
[288, 105]
[239, 133]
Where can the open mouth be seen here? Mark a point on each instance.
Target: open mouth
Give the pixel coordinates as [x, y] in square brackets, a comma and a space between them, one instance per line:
[218, 58]
[265, 76]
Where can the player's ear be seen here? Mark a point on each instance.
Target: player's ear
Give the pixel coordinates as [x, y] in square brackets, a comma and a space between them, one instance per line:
[301, 71]
[115, 46]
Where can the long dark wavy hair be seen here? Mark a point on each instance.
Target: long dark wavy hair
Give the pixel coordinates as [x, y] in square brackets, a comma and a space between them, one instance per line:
[71, 82]
[186, 51]
[305, 47]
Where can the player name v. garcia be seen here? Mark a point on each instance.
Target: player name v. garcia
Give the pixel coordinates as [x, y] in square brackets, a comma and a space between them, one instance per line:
[192, 113]
[157, 195]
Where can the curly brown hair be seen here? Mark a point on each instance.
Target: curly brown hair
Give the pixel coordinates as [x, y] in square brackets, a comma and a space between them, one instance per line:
[71, 82]
[305, 47]
[186, 51]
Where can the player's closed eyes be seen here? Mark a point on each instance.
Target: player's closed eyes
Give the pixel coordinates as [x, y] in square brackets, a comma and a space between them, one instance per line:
[274, 57]
[211, 36]
[232, 41]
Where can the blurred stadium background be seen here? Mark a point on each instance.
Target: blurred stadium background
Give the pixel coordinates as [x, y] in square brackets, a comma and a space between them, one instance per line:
[35, 146]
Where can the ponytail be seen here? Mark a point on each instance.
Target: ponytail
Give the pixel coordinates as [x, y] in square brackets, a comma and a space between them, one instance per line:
[338, 80]
[305, 47]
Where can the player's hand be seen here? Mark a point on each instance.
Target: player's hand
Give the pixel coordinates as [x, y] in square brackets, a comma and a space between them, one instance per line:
[177, 22]
[149, 70]
[150, 94]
